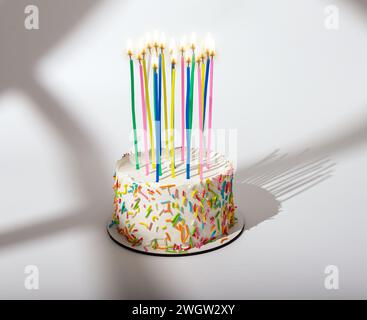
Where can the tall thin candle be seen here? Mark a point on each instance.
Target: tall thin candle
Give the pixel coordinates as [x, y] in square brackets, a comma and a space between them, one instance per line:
[206, 85]
[130, 54]
[157, 119]
[144, 112]
[192, 79]
[173, 76]
[159, 82]
[150, 123]
[210, 107]
[160, 108]
[162, 46]
[188, 130]
[182, 105]
[200, 105]
[202, 60]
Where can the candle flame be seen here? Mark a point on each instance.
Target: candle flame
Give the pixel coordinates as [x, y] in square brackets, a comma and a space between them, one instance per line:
[172, 46]
[156, 39]
[141, 48]
[202, 57]
[208, 43]
[193, 41]
[155, 61]
[174, 59]
[183, 44]
[212, 47]
[148, 40]
[173, 54]
[199, 54]
[187, 57]
[162, 41]
[129, 47]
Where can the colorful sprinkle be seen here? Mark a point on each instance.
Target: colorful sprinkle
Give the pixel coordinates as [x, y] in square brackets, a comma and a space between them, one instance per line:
[149, 210]
[168, 237]
[167, 186]
[224, 239]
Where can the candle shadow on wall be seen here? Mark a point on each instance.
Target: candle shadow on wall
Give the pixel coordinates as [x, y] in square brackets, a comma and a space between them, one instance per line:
[261, 189]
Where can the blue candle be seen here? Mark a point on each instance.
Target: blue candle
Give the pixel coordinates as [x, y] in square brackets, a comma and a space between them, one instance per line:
[206, 86]
[192, 83]
[160, 105]
[157, 122]
[188, 130]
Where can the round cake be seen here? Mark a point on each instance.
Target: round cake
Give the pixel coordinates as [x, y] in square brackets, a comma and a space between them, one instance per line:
[174, 214]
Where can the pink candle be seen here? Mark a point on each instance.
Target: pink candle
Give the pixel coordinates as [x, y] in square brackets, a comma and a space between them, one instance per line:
[182, 108]
[210, 111]
[144, 111]
[201, 145]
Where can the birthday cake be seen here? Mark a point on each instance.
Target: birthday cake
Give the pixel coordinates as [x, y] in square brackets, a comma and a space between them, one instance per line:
[173, 200]
[174, 214]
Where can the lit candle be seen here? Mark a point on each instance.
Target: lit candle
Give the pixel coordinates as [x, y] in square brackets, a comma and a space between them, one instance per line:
[156, 115]
[159, 147]
[192, 79]
[149, 46]
[207, 52]
[156, 47]
[202, 60]
[200, 106]
[144, 111]
[182, 51]
[147, 101]
[130, 54]
[162, 47]
[173, 76]
[155, 41]
[212, 54]
[188, 130]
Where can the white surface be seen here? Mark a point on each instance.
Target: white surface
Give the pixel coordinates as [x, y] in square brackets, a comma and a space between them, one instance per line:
[281, 78]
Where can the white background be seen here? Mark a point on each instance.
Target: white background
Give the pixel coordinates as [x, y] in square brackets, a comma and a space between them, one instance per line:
[282, 79]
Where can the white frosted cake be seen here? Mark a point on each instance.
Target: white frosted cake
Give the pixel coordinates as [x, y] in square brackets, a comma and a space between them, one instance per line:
[174, 214]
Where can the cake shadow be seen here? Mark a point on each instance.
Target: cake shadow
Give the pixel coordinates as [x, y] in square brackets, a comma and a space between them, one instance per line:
[261, 189]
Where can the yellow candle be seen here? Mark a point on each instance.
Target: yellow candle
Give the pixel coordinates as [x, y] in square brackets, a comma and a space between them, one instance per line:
[172, 52]
[202, 82]
[151, 138]
[173, 76]
[162, 46]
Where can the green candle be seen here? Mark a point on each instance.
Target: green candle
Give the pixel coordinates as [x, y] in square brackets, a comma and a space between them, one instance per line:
[133, 108]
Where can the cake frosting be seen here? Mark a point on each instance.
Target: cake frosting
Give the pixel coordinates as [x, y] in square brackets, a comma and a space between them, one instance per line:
[174, 214]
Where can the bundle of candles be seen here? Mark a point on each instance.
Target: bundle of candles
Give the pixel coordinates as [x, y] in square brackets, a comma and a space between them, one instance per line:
[150, 57]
